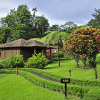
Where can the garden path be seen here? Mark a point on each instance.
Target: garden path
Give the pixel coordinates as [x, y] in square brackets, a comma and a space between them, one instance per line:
[43, 76]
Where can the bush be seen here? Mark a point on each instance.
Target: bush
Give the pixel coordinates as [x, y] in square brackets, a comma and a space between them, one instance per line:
[37, 61]
[61, 54]
[13, 62]
[1, 64]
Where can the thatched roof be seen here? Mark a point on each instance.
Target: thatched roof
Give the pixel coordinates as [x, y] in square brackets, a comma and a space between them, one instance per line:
[23, 43]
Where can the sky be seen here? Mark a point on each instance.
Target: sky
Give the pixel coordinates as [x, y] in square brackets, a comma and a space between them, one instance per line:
[56, 11]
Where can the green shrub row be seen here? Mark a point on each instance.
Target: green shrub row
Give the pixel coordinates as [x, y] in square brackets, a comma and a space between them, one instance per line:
[72, 89]
[58, 78]
[2, 71]
[85, 82]
[93, 94]
[12, 62]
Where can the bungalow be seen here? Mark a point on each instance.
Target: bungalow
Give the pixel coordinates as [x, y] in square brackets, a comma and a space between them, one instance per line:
[23, 47]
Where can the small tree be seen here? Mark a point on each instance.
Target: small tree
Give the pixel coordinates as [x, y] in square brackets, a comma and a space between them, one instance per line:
[85, 42]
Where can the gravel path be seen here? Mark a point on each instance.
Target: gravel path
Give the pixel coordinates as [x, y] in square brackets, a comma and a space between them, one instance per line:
[43, 76]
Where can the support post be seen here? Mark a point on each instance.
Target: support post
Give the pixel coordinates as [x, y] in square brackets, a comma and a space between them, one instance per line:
[69, 73]
[34, 50]
[16, 70]
[50, 53]
[65, 90]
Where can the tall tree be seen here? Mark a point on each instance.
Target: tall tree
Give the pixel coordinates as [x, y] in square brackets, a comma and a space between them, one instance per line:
[34, 10]
[23, 14]
[54, 27]
[95, 23]
[41, 25]
[68, 27]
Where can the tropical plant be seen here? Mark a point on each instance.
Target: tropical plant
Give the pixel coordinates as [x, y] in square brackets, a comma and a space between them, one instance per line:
[37, 61]
[56, 37]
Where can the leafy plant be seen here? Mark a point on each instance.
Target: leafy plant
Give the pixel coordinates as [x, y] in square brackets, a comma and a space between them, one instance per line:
[61, 54]
[37, 61]
[12, 62]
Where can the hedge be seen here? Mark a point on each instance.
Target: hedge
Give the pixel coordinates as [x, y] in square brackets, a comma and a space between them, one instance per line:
[7, 71]
[72, 89]
[93, 94]
[73, 81]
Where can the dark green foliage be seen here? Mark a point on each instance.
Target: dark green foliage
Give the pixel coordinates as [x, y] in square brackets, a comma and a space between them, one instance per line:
[61, 54]
[54, 27]
[37, 61]
[93, 94]
[12, 62]
[95, 23]
[1, 64]
[21, 23]
[68, 27]
[41, 25]
[6, 71]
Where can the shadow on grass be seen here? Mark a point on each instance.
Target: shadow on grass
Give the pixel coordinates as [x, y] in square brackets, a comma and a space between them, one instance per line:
[61, 59]
[50, 67]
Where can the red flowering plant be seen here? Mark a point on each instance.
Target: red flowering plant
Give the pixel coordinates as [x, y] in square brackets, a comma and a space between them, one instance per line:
[83, 44]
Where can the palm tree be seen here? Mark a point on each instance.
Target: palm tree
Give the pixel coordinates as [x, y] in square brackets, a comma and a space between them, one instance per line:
[35, 10]
[56, 37]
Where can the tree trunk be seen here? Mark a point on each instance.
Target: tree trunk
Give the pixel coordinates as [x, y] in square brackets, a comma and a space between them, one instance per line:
[92, 63]
[76, 57]
[96, 73]
[58, 54]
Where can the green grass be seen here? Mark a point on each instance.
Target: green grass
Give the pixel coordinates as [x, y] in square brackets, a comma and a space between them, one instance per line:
[76, 73]
[66, 65]
[15, 87]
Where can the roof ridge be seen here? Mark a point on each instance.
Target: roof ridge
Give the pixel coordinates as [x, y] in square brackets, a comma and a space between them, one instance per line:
[21, 40]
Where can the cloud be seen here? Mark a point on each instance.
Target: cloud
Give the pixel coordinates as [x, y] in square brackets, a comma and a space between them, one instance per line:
[56, 11]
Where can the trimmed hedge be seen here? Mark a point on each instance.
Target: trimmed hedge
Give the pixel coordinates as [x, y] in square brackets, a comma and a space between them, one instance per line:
[93, 94]
[73, 81]
[72, 89]
[7, 71]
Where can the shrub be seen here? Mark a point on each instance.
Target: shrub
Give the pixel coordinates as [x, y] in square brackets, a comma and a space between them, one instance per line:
[61, 54]
[1, 64]
[37, 61]
[13, 61]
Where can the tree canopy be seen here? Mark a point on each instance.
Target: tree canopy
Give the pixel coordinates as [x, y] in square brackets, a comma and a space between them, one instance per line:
[95, 23]
[55, 37]
[84, 43]
[23, 24]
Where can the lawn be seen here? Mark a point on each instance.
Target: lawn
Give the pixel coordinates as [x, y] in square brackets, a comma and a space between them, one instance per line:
[15, 87]
[66, 65]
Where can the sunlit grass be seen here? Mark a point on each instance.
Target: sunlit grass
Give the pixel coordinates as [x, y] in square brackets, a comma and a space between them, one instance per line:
[15, 87]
